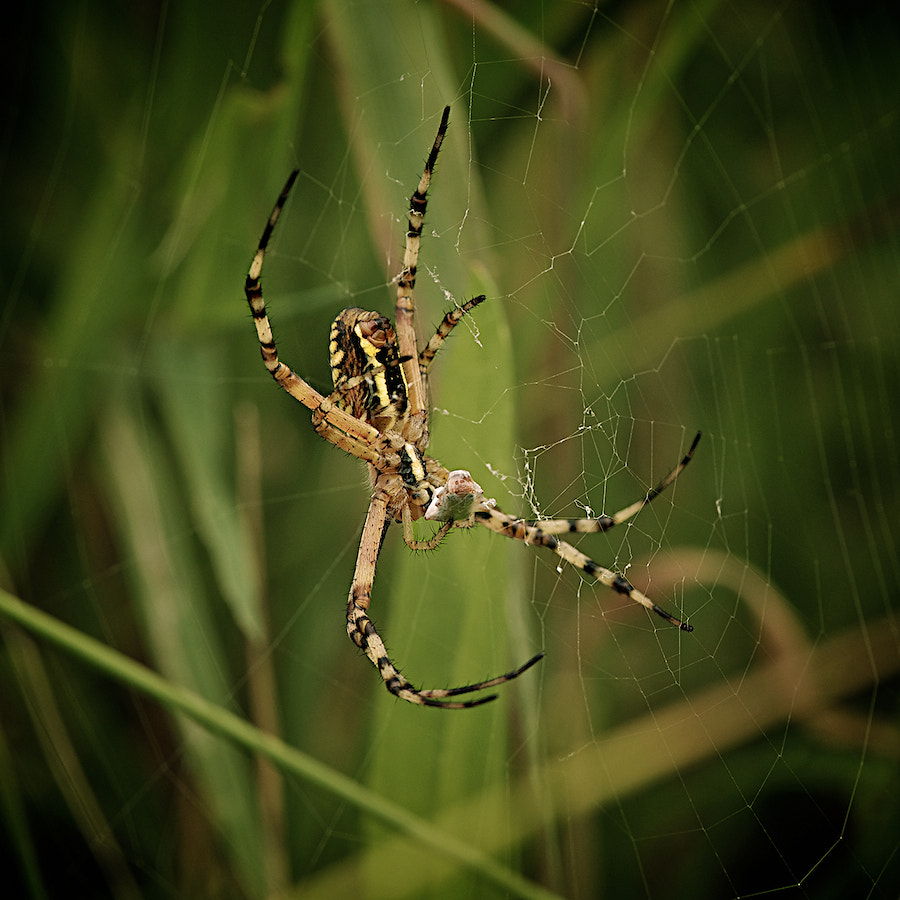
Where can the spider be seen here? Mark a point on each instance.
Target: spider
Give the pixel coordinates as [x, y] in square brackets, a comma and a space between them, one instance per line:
[378, 413]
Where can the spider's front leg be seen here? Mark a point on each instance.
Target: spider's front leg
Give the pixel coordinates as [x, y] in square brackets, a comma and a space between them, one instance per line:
[362, 631]
[604, 523]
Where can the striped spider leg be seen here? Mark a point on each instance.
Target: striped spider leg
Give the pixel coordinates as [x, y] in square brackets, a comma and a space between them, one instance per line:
[363, 634]
[543, 534]
[405, 307]
[332, 423]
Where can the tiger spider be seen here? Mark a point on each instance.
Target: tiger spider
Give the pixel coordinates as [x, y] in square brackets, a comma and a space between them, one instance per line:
[377, 412]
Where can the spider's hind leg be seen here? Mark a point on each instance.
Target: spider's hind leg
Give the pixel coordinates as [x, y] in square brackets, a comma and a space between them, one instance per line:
[362, 631]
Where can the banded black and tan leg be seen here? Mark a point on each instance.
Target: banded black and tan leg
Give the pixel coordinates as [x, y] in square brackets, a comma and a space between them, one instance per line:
[604, 523]
[362, 632]
[404, 315]
[521, 530]
[334, 424]
[449, 322]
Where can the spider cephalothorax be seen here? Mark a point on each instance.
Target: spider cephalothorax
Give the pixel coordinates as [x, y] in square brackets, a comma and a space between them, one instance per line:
[378, 413]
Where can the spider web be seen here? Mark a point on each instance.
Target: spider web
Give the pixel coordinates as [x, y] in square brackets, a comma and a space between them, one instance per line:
[684, 217]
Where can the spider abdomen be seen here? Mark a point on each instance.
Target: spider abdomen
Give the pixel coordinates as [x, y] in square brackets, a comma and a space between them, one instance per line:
[366, 368]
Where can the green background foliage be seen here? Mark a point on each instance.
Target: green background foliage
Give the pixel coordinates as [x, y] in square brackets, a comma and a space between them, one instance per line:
[683, 217]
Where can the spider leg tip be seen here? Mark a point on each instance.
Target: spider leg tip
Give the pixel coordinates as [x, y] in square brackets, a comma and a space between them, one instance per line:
[525, 666]
[468, 704]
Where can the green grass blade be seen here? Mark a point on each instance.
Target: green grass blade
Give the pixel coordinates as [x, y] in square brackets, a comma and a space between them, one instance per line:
[223, 723]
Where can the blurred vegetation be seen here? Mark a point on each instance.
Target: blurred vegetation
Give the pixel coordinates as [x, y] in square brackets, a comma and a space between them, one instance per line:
[684, 216]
